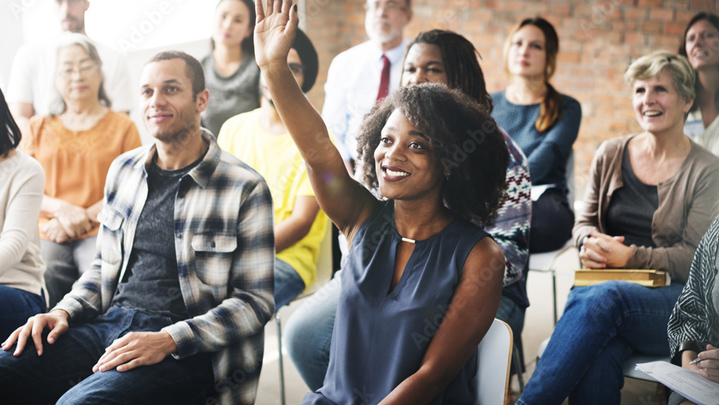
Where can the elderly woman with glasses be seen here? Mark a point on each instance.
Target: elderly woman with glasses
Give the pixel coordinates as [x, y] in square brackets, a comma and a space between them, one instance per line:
[648, 203]
[75, 146]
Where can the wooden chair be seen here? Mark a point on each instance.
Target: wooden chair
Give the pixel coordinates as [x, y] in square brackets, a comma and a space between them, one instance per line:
[494, 360]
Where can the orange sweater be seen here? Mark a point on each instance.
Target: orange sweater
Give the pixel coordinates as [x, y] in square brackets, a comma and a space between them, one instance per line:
[76, 162]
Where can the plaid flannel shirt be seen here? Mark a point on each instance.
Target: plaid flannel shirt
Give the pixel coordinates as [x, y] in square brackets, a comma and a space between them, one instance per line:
[224, 243]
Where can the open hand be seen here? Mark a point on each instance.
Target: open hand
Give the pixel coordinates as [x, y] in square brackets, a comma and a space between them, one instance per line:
[136, 349]
[274, 32]
[55, 320]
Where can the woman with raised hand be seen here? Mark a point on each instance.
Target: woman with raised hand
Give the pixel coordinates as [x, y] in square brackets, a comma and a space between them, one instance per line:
[21, 265]
[649, 200]
[75, 147]
[701, 47]
[231, 74]
[544, 123]
[413, 257]
[445, 57]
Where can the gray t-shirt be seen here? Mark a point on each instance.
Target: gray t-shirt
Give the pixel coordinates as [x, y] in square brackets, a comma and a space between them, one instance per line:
[229, 96]
[151, 284]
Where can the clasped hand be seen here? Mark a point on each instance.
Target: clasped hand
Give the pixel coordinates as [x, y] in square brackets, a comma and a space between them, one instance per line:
[601, 251]
[70, 222]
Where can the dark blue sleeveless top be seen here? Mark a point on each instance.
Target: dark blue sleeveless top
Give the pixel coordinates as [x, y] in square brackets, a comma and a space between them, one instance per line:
[380, 337]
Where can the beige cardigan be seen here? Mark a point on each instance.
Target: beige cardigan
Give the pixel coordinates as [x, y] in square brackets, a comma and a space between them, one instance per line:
[687, 204]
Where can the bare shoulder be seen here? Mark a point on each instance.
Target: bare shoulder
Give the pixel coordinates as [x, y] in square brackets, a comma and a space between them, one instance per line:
[486, 260]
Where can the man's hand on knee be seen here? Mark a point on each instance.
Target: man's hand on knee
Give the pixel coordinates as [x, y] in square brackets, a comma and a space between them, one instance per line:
[56, 321]
[136, 349]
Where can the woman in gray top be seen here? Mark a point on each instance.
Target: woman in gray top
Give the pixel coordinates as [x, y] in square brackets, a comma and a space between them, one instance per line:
[231, 74]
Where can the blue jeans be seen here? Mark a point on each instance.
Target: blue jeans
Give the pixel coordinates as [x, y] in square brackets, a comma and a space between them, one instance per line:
[64, 370]
[601, 326]
[15, 307]
[288, 284]
[308, 333]
[65, 264]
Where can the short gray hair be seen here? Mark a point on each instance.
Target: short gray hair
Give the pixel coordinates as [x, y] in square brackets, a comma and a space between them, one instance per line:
[65, 40]
[653, 64]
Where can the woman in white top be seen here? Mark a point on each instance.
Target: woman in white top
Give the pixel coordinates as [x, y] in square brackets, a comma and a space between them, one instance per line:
[21, 266]
[701, 47]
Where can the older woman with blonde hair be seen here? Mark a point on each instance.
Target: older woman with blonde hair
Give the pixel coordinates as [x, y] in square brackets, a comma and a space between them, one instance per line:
[649, 201]
[75, 147]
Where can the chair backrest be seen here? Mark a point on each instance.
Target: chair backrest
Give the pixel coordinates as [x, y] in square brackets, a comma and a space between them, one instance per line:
[494, 360]
[569, 175]
[324, 263]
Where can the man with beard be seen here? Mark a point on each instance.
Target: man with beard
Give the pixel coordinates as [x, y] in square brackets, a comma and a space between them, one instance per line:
[173, 308]
[31, 90]
[363, 75]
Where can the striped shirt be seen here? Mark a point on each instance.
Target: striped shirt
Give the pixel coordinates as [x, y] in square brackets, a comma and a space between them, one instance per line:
[224, 244]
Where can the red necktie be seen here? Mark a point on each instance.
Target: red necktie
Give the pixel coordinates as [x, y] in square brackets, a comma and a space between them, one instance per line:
[384, 80]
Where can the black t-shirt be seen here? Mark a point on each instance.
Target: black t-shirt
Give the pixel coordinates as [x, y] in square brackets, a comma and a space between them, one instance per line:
[632, 208]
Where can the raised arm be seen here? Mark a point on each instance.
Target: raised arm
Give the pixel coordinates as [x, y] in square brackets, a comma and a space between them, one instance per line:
[344, 200]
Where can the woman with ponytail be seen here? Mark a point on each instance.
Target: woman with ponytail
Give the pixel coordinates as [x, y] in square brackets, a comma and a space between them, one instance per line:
[544, 123]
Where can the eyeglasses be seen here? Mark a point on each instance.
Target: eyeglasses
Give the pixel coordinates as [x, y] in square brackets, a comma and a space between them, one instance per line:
[82, 70]
[390, 6]
[297, 68]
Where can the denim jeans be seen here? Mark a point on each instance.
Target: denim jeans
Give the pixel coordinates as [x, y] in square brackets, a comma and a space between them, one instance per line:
[16, 306]
[64, 370]
[288, 284]
[601, 326]
[308, 333]
[65, 264]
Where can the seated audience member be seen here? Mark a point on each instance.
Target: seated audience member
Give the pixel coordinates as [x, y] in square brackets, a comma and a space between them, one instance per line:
[439, 57]
[231, 73]
[694, 324]
[649, 200]
[183, 269]
[260, 139]
[368, 72]
[32, 78]
[701, 47]
[75, 145]
[21, 265]
[544, 123]
[412, 257]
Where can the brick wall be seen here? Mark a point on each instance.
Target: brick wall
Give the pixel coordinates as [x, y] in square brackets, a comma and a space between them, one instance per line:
[598, 40]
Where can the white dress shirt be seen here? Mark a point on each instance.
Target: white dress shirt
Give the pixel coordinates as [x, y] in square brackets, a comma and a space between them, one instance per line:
[351, 90]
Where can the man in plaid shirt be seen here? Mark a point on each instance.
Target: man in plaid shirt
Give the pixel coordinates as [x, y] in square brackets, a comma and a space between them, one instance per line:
[174, 306]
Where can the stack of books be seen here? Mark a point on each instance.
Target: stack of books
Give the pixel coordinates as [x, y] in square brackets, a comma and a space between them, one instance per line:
[647, 278]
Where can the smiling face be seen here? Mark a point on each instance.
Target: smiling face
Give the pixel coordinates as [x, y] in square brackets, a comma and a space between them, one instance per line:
[71, 14]
[702, 45]
[170, 111]
[385, 20]
[407, 168]
[658, 106]
[423, 64]
[527, 56]
[78, 77]
[232, 23]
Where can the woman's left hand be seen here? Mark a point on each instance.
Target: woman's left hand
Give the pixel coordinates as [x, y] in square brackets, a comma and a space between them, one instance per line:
[55, 232]
[274, 32]
[709, 366]
[601, 251]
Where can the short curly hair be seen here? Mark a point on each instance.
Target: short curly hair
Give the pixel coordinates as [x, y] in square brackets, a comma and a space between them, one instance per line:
[465, 139]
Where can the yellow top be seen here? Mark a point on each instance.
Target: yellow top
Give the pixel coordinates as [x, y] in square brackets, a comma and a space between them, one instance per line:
[278, 160]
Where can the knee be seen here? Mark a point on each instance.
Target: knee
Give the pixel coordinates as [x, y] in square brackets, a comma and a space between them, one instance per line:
[597, 300]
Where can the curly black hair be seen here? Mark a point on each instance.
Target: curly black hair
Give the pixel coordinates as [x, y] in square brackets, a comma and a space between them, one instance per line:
[465, 139]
